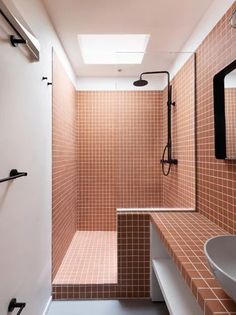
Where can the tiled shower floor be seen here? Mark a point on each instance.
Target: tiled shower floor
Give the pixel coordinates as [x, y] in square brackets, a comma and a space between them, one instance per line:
[90, 259]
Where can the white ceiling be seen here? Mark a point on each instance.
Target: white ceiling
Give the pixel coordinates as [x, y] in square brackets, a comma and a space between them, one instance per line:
[169, 22]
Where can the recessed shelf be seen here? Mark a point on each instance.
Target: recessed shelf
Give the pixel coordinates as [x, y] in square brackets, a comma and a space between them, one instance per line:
[178, 298]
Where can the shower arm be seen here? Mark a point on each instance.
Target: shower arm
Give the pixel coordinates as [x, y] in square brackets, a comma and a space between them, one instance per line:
[169, 104]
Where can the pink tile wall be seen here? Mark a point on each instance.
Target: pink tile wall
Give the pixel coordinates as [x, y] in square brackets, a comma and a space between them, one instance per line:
[179, 186]
[97, 154]
[64, 162]
[139, 149]
[118, 154]
[216, 179]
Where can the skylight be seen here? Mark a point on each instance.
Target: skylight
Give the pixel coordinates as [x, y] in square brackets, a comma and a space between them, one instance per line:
[113, 49]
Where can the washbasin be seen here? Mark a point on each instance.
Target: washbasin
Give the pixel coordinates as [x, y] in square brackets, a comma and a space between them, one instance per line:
[221, 254]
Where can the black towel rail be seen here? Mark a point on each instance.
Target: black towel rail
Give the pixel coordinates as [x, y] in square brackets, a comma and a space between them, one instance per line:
[13, 174]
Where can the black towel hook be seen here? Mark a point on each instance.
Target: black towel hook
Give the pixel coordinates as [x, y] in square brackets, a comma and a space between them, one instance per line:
[14, 304]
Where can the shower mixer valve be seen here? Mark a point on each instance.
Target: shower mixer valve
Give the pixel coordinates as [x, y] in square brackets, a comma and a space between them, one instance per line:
[172, 161]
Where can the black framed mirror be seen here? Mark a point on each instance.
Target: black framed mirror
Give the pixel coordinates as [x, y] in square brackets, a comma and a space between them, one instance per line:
[224, 83]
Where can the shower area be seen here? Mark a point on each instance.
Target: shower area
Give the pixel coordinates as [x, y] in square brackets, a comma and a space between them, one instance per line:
[107, 175]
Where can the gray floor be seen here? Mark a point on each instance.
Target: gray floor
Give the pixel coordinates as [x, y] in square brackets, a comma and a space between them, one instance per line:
[107, 307]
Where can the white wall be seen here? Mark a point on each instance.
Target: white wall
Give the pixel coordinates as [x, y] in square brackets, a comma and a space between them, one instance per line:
[116, 84]
[25, 144]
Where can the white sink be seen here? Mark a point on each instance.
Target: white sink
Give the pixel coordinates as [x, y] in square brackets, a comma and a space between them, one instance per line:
[221, 254]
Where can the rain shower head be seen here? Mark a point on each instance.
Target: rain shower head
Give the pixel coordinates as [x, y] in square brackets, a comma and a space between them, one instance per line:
[140, 82]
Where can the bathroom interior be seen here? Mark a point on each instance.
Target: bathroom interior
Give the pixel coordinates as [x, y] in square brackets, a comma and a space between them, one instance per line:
[118, 150]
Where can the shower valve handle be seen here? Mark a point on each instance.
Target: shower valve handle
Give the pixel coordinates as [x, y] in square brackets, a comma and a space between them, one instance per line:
[172, 161]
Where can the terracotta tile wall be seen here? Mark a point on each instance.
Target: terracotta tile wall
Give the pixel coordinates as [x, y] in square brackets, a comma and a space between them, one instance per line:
[230, 114]
[216, 188]
[64, 161]
[139, 149]
[118, 154]
[97, 152]
[133, 264]
[179, 185]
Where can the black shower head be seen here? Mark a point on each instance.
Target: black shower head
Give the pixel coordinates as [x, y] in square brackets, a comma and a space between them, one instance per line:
[140, 82]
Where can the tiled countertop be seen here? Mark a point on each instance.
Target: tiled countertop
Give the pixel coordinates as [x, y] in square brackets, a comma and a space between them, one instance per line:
[184, 235]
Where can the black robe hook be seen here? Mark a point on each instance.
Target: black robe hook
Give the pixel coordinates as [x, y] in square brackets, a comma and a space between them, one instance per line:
[14, 304]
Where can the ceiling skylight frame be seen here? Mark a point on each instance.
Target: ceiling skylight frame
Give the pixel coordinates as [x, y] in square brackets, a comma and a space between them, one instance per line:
[113, 48]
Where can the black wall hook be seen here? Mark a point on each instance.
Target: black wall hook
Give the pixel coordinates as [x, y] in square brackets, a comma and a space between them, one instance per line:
[16, 41]
[49, 83]
[14, 304]
[44, 78]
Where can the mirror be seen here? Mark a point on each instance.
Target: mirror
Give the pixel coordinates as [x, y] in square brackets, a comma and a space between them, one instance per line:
[225, 112]
[230, 114]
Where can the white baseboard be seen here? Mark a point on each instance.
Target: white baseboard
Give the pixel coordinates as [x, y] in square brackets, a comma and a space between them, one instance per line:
[47, 306]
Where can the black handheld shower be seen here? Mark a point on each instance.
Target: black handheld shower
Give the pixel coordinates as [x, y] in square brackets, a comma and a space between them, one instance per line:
[168, 147]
